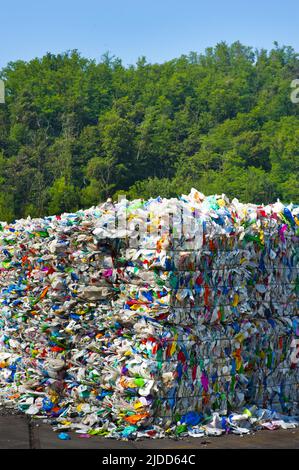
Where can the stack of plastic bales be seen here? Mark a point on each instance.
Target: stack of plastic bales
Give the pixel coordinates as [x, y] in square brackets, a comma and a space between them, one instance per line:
[153, 318]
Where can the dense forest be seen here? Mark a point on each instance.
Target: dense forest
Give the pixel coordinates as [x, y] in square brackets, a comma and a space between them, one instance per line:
[74, 131]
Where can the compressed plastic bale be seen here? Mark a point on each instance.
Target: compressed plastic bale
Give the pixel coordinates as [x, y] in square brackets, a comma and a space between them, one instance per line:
[169, 324]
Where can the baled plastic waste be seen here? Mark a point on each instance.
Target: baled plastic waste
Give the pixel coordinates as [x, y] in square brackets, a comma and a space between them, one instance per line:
[166, 317]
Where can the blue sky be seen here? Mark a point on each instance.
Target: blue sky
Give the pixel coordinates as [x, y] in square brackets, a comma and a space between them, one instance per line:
[160, 30]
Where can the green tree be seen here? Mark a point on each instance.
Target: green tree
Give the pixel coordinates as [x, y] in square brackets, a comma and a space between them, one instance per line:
[74, 131]
[63, 197]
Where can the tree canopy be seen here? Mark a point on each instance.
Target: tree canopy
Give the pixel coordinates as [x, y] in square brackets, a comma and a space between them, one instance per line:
[74, 131]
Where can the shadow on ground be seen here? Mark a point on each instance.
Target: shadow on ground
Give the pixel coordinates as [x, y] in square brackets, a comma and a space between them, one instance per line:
[18, 432]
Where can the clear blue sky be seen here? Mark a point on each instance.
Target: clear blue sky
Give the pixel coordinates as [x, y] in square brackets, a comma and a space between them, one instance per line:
[158, 29]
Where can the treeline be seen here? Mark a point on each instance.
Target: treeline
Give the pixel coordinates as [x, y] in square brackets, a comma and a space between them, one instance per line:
[74, 131]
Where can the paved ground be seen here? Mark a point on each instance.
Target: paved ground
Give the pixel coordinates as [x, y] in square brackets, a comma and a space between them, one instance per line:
[18, 432]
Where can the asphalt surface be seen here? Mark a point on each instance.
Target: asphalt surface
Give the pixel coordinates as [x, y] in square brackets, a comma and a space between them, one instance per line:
[20, 432]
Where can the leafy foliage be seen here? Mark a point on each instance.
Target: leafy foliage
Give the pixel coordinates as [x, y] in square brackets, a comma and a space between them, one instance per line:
[73, 131]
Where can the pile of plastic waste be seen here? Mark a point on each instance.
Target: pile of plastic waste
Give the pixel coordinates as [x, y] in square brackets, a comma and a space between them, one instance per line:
[166, 317]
